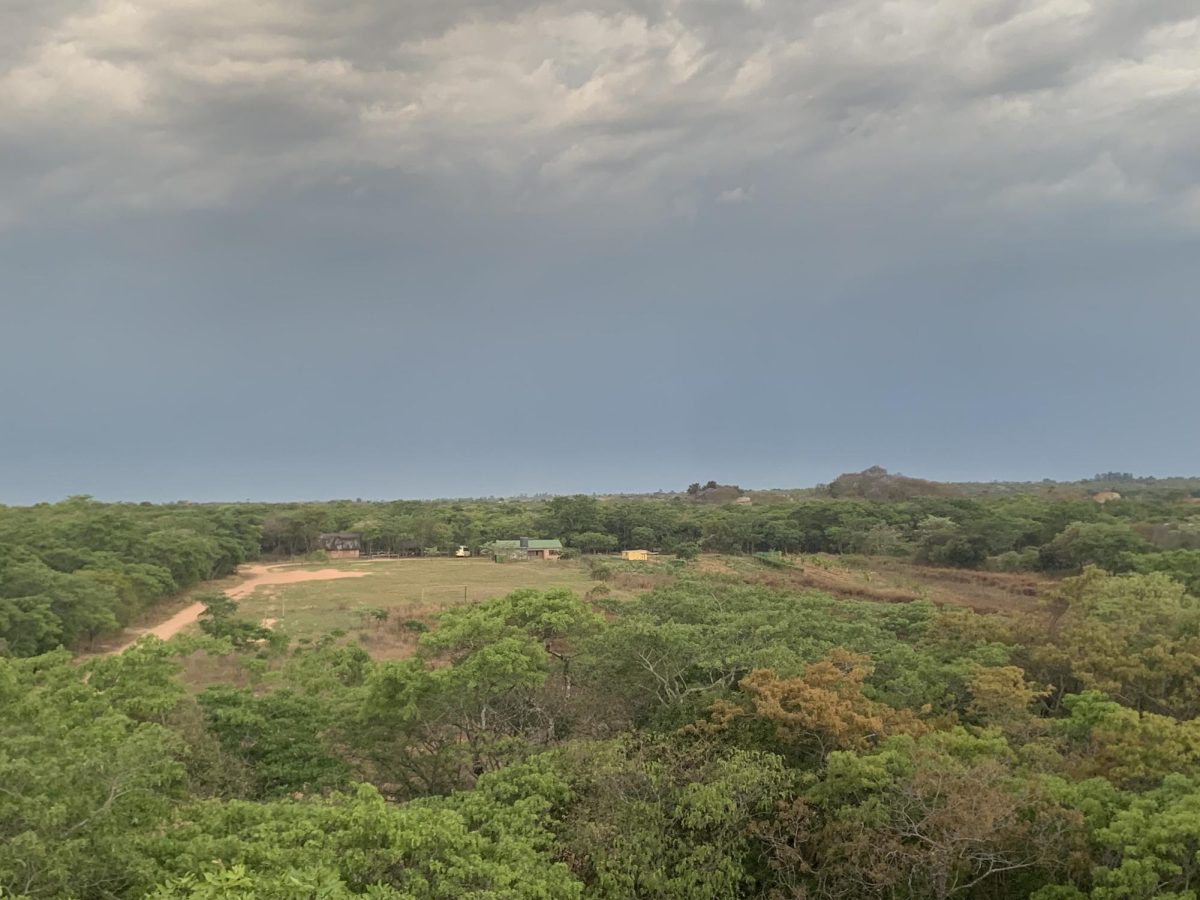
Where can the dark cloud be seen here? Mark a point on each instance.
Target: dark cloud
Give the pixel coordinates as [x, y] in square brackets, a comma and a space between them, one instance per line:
[934, 234]
[162, 105]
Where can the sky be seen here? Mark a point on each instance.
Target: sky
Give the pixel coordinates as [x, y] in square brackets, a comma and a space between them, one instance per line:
[305, 249]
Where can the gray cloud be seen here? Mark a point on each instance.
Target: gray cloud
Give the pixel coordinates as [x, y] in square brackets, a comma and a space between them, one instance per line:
[763, 241]
[649, 107]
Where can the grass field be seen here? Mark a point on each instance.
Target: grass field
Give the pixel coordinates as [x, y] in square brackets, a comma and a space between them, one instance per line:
[411, 590]
[414, 591]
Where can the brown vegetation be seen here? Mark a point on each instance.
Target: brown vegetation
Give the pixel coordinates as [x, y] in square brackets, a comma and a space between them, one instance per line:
[890, 580]
[876, 483]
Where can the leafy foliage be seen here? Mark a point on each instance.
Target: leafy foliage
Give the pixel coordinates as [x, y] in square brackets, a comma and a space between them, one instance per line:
[80, 771]
[72, 571]
[710, 738]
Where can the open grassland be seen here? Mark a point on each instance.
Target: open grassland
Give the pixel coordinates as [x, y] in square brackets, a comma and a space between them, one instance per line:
[387, 604]
[411, 592]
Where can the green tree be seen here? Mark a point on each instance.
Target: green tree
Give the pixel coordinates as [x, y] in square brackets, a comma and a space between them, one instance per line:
[220, 620]
[594, 542]
[945, 815]
[1152, 845]
[1182, 565]
[1134, 637]
[277, 737]
[82, 775]
[568, 516]
[491, 844]
[668, 818]
[1104, 544]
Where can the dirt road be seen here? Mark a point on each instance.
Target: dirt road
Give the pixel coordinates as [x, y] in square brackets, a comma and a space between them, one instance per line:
[256, 576]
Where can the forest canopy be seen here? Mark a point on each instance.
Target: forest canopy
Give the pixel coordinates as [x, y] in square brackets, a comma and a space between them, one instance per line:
[723, 731]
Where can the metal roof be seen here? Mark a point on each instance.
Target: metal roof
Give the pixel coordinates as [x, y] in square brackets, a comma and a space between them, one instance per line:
[532, 544]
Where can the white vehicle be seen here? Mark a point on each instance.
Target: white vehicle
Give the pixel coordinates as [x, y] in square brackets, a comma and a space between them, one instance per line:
[462, 552]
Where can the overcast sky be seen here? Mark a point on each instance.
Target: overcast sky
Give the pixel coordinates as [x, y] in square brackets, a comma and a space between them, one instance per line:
[283, 249]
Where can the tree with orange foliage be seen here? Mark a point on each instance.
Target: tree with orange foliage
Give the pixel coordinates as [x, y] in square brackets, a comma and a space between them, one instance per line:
[820, 711]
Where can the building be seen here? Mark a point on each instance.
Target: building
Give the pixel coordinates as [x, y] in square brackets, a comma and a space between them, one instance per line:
[526, 548]
[635, 555]
[1106, 496]
[341, 544]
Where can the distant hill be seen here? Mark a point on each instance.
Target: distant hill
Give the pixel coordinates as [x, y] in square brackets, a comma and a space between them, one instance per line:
[714, 493]
[876, 483]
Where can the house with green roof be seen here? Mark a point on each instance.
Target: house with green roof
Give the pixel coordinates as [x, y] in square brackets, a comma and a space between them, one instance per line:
[525, 549]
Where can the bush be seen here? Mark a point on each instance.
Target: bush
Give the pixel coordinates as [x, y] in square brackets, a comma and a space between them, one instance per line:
[1109, 545]
[599, 570]
[220, 620]
[1026, 560]
[599, 592]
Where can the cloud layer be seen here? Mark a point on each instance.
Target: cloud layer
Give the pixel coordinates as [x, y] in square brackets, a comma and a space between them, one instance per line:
[490, 246]
[654, 106]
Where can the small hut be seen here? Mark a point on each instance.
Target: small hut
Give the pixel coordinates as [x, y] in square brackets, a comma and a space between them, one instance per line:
[635, 555]
[341, 544]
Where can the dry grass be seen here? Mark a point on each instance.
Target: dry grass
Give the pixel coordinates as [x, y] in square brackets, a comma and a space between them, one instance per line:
[412, 591]
[638, 582]
[981, 591]
[889, 580]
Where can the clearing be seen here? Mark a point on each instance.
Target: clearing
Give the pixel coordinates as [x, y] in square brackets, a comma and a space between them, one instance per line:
[306, 601]
[387, 604]
[410, 591]
[254, 577]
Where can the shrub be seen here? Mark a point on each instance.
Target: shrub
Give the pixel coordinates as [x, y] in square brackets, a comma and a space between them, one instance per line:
[599, 592]
[599, 570]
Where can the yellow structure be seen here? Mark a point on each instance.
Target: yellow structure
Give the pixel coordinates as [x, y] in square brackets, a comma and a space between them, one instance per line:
[636, 555]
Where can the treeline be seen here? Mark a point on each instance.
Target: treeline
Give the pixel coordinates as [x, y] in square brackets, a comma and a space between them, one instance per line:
[1014, 533]
[74, 570]
[78, 569]
[709, 739]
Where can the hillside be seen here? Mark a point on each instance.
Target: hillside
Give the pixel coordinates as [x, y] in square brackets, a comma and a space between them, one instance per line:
[877, 484]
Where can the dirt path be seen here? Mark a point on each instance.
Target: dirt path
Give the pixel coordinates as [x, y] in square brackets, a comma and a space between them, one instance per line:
[256, 576]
